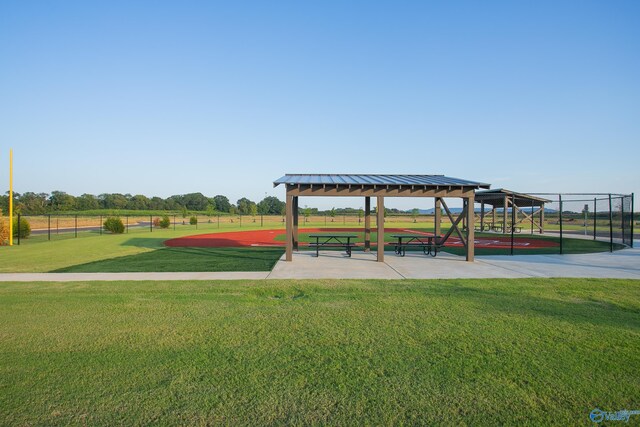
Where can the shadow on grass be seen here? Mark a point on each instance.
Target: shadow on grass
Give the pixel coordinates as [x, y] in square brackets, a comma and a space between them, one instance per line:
[185, 259]
[145, 242]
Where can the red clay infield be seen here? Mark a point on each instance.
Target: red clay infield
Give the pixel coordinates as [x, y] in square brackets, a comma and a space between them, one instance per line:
[267, 238]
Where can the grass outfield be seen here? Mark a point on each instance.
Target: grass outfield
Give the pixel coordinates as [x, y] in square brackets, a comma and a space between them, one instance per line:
[185, 259]
[94, 252]
[452, 352]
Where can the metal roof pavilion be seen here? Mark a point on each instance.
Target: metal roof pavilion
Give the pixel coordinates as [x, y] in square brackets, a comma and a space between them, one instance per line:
[377, 179]
[497, 196]
[381, 186]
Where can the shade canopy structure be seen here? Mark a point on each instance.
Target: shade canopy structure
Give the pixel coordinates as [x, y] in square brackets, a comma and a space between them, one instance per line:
[518, 202]
[381, 186]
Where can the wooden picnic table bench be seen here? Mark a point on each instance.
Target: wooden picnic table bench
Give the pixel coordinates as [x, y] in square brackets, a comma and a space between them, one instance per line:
[428, 243]
[333, 241]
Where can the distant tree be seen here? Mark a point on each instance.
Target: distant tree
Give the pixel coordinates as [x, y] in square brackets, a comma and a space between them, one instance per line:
[307, 213]
[87, 202]
[157, 203]
[244, 206]
[195, 201]
[254, 211]
[271, 206]
[4, 202]
[233, 209]
[332, 213]
[184, 213]
[31, 203]
[138, 202]
[61, 201]
[414, 214]
[113, 201]
[210, 211]
[221, 203]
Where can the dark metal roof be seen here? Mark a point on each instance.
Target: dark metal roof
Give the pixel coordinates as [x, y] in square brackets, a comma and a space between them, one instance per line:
[351, 179]
[496, 197]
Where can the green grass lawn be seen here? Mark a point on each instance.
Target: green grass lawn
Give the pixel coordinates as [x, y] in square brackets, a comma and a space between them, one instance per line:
[185, 259]
[448, 352]
[95, 252]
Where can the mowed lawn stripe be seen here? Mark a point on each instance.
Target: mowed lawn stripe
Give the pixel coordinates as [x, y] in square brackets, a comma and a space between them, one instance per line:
[463, 352]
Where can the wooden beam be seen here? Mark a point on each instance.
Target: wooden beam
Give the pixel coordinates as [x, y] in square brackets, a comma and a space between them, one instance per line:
[454, 226]
[380, 224]
[289, 226]
[367, 224]
[374, 191]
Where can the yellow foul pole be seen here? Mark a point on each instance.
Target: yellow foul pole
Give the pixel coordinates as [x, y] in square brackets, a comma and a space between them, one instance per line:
[10, 197]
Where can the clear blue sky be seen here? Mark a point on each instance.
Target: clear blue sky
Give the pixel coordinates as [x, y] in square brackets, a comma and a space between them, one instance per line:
[161, 98]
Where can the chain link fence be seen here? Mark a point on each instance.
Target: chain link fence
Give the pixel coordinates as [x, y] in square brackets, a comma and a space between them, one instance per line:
[599, 217]
[590, 216]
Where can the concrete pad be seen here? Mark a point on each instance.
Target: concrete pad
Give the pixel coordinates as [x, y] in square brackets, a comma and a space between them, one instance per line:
[333, 265]
[446, 266]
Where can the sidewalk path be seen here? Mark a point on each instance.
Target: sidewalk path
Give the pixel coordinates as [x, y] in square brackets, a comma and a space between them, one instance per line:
[624, 264]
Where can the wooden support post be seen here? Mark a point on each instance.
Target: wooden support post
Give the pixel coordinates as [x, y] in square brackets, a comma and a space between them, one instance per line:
[542, 219]
[493, 216]
[367, 224]
[465, 208]
[289, 225]
[437, 218]
[295, 222]
[481, 216]
[470, 229]
[380, 224]
[504, 218]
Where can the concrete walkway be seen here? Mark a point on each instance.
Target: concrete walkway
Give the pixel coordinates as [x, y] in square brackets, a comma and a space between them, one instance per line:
[624, 264]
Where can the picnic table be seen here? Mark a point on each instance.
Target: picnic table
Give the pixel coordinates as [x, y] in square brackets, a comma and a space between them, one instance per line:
[333, 241]
[428, 243]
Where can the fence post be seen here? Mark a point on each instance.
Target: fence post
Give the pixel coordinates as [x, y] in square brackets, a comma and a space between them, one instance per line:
[19, 231]
[560, 221]
[632, 220]
[610, 224]
[101, 225]
[76, 228]
[622, 218]
[218, 220]
[513, 220]
[127, 217]
[240, 221]
[174, 223]
[151, 223]
[595, 217]
[261, 220]
[49, 227]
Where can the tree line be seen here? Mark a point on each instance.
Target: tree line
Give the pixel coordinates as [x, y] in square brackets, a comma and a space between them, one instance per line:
[30, 203]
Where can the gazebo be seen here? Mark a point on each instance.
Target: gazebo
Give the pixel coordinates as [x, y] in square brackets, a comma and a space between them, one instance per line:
[505, 199]
[381, 186]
